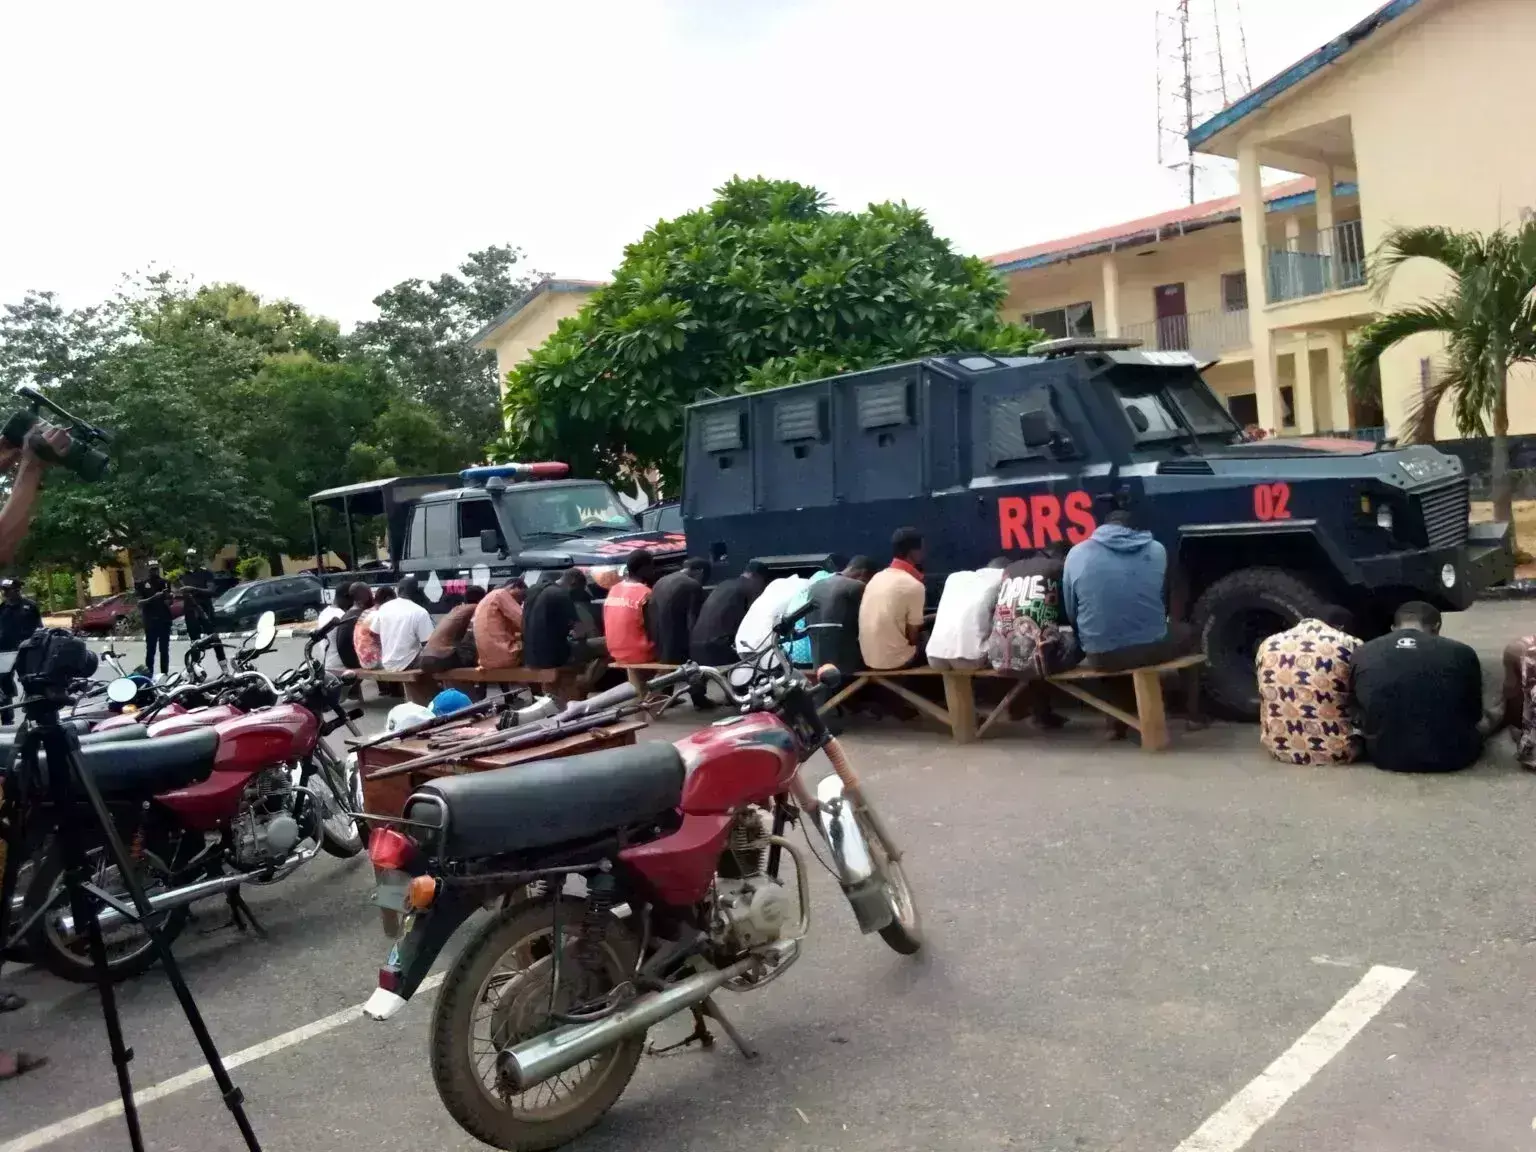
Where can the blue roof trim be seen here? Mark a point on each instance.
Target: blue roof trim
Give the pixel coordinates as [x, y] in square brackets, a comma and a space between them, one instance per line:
[1132, 239]
[1296, 73]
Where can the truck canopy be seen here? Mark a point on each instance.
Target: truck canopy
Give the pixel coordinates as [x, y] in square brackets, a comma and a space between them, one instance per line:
[343, 517]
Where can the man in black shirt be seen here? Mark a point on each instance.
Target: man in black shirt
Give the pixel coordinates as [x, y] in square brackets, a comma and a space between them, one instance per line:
[155, 609]
[713, 639]
[671, 613]
[1419, 696]
[197, 596]
[833, 622]
[19, 618]
[556, 633]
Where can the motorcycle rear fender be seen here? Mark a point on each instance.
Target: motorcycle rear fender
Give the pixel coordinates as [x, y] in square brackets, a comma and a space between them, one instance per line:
[417, 947]
[850, 856]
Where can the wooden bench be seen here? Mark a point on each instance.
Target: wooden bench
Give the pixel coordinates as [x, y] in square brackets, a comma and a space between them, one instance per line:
[422, 686]
[959, 711]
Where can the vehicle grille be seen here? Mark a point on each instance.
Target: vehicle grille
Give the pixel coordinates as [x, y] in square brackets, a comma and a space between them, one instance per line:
[1444, 510]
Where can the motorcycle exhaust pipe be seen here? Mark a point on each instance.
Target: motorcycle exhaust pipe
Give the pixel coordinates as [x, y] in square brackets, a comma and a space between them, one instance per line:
[536, 1060]
[110, 918]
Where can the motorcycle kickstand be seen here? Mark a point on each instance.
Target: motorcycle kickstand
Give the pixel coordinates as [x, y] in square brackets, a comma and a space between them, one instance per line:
[713, 1010]
[240, 913]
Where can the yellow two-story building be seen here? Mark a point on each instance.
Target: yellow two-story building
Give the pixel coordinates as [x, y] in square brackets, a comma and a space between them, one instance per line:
[1401, 120]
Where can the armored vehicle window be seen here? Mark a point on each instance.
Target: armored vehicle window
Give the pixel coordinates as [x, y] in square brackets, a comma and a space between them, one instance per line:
[1154, 400]
[439, 529]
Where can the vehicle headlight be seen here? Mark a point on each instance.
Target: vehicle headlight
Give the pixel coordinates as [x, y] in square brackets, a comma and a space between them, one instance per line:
[1384, 518]
[1448, 575]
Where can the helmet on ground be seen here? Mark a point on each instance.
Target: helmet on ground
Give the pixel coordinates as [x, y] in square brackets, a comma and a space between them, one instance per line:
[449, 700]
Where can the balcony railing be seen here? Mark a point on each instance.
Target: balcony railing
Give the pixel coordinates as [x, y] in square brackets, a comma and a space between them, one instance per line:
[1206, 334]
[1325, 261]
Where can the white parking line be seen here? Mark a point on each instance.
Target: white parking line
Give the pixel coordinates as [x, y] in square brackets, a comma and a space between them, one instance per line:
[1235, 1122]
[93, 1116]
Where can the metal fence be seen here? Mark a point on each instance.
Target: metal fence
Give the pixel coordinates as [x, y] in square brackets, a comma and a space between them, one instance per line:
[1325, 261]
[1206, 334]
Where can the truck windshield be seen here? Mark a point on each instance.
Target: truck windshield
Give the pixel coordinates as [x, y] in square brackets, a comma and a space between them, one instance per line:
[1155, 400]
[565, 510]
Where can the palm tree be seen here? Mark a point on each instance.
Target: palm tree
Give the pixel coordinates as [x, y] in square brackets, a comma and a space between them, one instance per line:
[1488, 318]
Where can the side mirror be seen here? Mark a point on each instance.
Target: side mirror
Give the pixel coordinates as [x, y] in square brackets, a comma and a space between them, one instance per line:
[266, 632]
[490, 541]
[1038, 428]
[123, 690]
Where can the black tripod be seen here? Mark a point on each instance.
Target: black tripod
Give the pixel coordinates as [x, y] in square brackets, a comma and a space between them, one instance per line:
[65, 782]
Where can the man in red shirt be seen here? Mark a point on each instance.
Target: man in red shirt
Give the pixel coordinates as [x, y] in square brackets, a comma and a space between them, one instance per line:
[626, 612]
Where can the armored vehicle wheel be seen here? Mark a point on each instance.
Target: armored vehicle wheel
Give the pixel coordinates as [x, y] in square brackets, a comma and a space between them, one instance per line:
[1233, 617]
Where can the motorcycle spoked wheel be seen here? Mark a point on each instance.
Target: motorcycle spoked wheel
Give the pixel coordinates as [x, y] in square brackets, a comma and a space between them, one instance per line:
[498, 992]
[905, 931]
[129, 949]
[340, 792]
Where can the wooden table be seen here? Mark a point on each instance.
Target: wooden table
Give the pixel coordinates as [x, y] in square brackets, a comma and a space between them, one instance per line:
[387, 796]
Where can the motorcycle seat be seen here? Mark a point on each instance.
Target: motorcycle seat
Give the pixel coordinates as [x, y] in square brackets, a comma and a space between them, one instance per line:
[146, 767]
[551, 802]
[109, 736]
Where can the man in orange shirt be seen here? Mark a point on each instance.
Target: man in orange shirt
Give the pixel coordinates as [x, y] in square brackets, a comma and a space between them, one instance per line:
[626, 612]
[498, 626]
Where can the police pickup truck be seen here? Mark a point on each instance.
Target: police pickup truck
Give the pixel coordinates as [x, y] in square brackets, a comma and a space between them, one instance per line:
[992, 456]
[482, 527]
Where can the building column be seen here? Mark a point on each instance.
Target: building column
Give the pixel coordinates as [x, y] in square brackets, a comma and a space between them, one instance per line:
[1337, 390]
[1306, 414]
[1251, 199]
[1111, 296]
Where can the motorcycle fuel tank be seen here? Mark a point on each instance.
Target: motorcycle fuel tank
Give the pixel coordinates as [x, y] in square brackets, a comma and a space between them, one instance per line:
[197, 718]
[247, 744]
[736, 761]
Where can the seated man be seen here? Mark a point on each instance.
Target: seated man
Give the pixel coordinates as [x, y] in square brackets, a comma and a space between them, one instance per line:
[1419, 696]
[626, 611]
[891, 617]
[1113, 585]
[366, 635]
[675, 603]
[403, 627]
[964, 619]
[713, 639]
[833, 624]
[498, 626]
[764, 614]
[1306, 692]
[1029, 636]
[556, 633]
[452, 644]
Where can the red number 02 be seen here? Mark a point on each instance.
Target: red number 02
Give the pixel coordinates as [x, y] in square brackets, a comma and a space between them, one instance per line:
[1272, 501]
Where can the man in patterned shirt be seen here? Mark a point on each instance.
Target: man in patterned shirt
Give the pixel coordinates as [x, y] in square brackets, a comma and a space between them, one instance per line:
[1306, 685]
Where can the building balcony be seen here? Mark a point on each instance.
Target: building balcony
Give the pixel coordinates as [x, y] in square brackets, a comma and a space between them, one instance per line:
[1326, 261]
[1208, 335]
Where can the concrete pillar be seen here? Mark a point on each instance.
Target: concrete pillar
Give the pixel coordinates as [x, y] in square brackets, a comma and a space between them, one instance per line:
[1337, 391]
[1111, 321]
[1293, 233]
[1325, 201]
[1306, 416]
[1251, 199]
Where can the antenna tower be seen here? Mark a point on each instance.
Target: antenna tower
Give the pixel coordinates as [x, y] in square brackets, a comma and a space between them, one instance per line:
[1202, 66]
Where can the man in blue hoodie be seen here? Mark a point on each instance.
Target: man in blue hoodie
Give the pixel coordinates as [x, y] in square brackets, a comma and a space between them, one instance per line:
[1113, 590]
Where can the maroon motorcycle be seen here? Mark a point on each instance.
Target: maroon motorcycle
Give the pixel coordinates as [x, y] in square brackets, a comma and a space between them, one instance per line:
[207, 805]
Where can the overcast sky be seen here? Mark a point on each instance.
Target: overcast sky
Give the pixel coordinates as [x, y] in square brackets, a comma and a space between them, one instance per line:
[323, 151]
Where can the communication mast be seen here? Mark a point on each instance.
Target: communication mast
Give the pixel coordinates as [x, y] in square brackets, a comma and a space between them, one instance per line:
[1202, 66]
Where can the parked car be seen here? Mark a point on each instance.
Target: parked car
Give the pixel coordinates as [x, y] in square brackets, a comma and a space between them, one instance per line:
[292, 598]
[113, 613]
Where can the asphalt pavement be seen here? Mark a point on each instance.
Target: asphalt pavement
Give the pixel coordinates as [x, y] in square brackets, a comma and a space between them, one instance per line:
[1191, 952]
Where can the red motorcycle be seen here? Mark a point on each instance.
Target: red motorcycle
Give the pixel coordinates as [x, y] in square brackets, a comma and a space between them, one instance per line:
[542, 1018]
[208, 802]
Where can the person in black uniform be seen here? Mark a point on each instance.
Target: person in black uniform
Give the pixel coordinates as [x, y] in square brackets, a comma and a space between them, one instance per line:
[155, 608]
[197, 596]
[19, 618]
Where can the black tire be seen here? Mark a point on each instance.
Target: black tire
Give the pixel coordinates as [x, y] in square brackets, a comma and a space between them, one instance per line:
[1233, 617]
[327, 768]
[458, 1081]
[904, 934]
[45, 947]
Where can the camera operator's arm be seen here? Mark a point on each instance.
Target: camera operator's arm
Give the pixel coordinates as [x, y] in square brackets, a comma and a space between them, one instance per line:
[17, 513]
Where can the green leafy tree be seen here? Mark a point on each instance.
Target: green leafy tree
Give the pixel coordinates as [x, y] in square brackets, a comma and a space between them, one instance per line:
[1487, 315]
[421, 337]
[765, 286]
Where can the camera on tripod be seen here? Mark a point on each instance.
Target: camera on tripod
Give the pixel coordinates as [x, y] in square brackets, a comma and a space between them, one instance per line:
[86, 461]
[52, 659]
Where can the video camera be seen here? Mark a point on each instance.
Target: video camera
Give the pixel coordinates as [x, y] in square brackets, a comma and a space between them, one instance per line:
[51, 659]
[80, 457]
